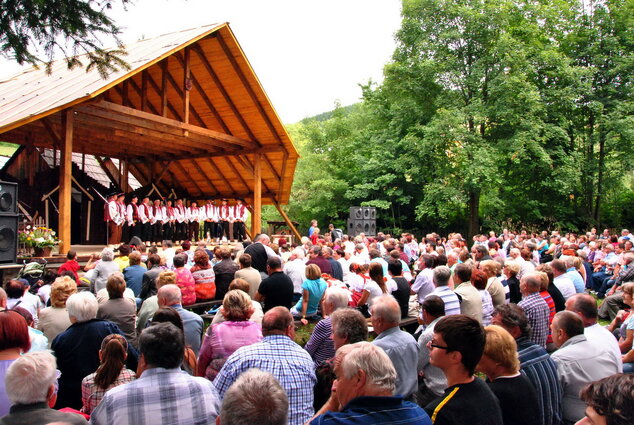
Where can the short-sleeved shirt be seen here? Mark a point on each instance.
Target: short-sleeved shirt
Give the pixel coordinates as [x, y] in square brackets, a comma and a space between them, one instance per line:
[277, 290]
[472, 403]
[375, 291]
[316, 289]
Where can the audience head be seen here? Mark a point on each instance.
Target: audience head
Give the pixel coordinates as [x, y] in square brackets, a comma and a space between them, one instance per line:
[179, 261]
[585, 306]
[61, 289]
[15, 288]
[386, 313]
[124, 250]
[273, 264]
[511, 268]
[245, 261]
[107, 254]
[463, 272]
[479, 279]
[566, 325]
[153, 260]
[441, 276]
[463, 340]
[168, 277]
[348, 326]
[169, 295]
[558, 267]
[115, 285]
[224, 254]
[237, 306]
[363, 369]
[395, 267]
[278, 321]
[256, 397]
[433, 307]
[201, 259]
[531, 283]
[162, 345]
[112, 355]
[135, 258]
[610, 401]
[82, 307]
[512, 318]
[168, 314]
[313, 272]
[239, 284]
[14, 333]
[31, 378]
[500, 356]
[334, 299]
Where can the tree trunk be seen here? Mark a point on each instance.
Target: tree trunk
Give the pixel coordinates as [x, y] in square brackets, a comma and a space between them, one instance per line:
[474, 212]
[597, 206]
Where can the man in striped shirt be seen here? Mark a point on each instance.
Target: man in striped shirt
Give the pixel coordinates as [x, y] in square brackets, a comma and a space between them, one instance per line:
[441, 277]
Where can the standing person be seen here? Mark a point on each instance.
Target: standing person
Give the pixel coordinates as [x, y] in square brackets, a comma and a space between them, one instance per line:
[145, 215]
[169, 219]
[110, 373]
[191, 400]
[180, 223]
[500, 363]
[132, 217]
[121, 216]
[193, 216]
[225, 215]
[240, 217]
[210, 214]
[157, 221]
[260, 252]
[111, 217]
[456, 348]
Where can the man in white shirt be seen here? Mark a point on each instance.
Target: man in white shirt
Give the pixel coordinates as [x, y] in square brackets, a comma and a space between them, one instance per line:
[210, 215]
[193, 217]
[586, 307]
[424, 283]
[561, 281]
[145, 216]
[295, 268]
[157, 221]
[240, 217]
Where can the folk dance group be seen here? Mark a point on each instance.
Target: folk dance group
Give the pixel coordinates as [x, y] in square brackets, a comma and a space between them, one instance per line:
[153, 222]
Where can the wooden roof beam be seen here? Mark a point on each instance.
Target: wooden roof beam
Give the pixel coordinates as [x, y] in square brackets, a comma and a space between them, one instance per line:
[202, 173]
[184, 173]
[221, 174]
[221, 154]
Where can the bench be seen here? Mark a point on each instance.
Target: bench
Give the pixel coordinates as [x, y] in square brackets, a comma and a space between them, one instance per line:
[203, 306]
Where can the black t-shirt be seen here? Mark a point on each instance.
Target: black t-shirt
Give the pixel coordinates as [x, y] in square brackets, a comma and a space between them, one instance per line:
[277, 290]
[473, 403]
[518, 399]
[258, 255]
[402, 295]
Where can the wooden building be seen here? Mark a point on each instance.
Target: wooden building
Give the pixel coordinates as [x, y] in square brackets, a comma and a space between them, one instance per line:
[189, 114]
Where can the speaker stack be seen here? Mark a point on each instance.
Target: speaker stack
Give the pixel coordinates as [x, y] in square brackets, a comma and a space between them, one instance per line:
[8, 222]
[362, 220]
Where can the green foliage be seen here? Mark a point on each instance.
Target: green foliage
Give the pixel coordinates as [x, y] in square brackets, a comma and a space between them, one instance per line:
[72, 27]
[493, 112]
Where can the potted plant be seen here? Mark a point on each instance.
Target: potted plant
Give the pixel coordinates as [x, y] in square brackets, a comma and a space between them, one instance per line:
[41, 239]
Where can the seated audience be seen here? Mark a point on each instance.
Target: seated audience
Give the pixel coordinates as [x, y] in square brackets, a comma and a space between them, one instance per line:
[184, 280]
[313, 290]
[225, 271]
[133, 274]
[242, 285]
[471, 300]
[433, 382]
[38, 341]
[102, 271]
[320, 345]
[31, 387]
[365, 387]
[500, 363]
[54, 319]
[191, 400]
[374, 287]
[609, 401]
[110, 373]
[70, 265]
[170, 296]
[117, 309]
[479, 281]
[168, 314]
[277, 288]
[223, 339]
[536, 309]
[14, 341]
[150, 305]
[204, 277]
[250, 274]
[255, 398]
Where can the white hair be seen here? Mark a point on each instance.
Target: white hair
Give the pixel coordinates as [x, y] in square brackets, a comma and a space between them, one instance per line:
[170, 294]
[299, 253]
[82, 306]
[372, 360]
[29, 378]
[107, 254]
[386, 307]
[255, 397]
[336, 296]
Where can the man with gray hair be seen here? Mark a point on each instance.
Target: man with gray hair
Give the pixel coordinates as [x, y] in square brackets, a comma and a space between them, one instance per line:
[255, 398]
[536, 309]
[295, 269]
[441, 277]
[260, 252]
[31, 387]
[363, 392]
[170, 296]
[399, 345]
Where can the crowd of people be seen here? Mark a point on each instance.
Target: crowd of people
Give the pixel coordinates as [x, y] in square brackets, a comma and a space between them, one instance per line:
[508, 332]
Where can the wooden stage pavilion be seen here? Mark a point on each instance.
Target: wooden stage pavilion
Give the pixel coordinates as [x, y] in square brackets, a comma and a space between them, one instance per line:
[188, 117]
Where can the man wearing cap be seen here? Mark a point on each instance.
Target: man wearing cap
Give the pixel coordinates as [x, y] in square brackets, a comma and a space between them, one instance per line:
[225, 215]
[132, 217]
[240, 216]
[210, 214]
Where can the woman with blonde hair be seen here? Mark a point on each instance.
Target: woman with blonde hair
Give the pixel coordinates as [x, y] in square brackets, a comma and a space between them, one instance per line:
[223, 339]
[54, 320]
[110, 373]
[313, 289]
[494, 285]
[500, 363]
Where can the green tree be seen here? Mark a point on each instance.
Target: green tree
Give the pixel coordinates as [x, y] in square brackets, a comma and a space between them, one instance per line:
[29, 29]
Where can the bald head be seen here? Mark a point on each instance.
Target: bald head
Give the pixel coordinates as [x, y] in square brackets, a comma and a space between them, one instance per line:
[278, 321]
[169, 295]
[585, 306]
[530, 283]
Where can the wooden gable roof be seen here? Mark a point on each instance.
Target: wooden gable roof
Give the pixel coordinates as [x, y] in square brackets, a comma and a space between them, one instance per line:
[189, 114]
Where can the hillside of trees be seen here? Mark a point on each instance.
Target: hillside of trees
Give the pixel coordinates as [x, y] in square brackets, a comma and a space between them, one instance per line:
[491, 114]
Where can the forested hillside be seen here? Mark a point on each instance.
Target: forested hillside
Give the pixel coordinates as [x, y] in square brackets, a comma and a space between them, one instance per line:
[491, 113]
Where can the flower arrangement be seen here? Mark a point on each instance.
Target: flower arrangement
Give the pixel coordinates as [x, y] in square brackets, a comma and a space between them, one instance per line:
[38, 237]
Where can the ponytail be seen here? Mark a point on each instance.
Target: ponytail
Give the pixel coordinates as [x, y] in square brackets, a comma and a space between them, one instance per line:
[113, 354]
[376, 274]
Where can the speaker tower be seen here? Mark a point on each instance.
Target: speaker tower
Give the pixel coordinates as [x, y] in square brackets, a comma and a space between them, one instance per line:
[8, 222]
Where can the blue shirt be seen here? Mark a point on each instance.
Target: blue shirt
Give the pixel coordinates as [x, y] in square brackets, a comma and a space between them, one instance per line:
[383, 264]
[283, 358]
[134, 278]
[577, 279]
[316, 289]
[402, 349]
[376, 410]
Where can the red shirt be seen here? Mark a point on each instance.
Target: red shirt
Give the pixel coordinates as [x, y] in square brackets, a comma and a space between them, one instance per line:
[70, 265]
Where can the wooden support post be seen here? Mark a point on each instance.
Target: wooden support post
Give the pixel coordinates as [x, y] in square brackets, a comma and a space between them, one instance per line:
[288, 221]
[123, 168]
[65, 182]
[256, 217]
[187, 86]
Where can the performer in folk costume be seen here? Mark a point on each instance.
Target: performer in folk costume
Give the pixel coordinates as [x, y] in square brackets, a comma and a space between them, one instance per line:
[132, 217]
[240, 216]
[157, 221]
[225, 215]
[169, 220]
[122, 221]
[193, 216]
[145, 215]
[181, 221]
[210, 215]
[112, 218]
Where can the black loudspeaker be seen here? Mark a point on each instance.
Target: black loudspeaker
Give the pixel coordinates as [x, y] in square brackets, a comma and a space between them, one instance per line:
[356, 213]
[8, 222]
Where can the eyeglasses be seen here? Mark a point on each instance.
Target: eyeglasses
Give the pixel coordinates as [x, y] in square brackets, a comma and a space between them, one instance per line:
[431, 344]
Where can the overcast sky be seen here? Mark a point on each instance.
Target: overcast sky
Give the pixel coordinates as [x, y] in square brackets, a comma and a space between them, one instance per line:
[307, 54]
